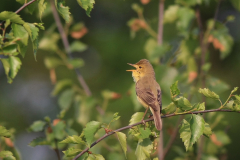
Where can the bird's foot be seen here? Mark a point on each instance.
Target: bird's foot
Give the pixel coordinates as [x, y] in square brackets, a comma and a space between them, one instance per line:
[144, 123]
[150, 116]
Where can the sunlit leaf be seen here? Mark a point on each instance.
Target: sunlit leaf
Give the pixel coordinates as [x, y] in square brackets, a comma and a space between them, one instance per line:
[206, 92]
[207, 130]
[37, 126]
[86, 5]
[174, 89]
[13, 17]
[7, 155]
[41, 7]
[171, 14]
[39, 141]
[78, 46]
[90, 130]
[71, 151]
[136, 117]
[144, 133]
[4, 132]
[171, 108]
[144, 148]
[73, 139]
[62, 9]
[123, 141]
[183, 104]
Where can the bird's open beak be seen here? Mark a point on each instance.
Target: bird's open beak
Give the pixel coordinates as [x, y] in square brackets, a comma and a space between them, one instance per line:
[134, 65]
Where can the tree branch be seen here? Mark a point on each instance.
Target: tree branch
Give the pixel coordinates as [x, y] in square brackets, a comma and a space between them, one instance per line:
[150, 119]
[67, 47]
[21, 8]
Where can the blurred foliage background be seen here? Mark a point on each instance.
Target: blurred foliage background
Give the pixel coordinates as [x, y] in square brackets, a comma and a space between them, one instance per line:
[109, 48]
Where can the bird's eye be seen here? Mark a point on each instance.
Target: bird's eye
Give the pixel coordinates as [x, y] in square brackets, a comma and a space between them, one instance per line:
[140, 67]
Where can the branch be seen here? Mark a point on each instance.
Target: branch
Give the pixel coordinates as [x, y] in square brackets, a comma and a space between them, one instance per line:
[67, 47]
[21, 8]
[150, 119]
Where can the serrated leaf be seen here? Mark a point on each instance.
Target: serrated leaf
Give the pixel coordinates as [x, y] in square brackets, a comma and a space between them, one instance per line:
[144, 148]
[20, 32]
[4, 132]
[66, 98]
[144, 133]
[32, 30]
[183, 104]
[123, 141]
[90, 130]
[191, 130]
[87, 5]
[73, 139]
[78, 46]
[171, 108]
[174, 89]
[206, 92]
[39, 141]
[136, 117]
[41, 7]
[12, 16]
[37, 126]
[71, 151]
[199, 106]
[7, 155]
[61, 85]
[52, 62]
[62, 9]
[76, 62]
[207, 130]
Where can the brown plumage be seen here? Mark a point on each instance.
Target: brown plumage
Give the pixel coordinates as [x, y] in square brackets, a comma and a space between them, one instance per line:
[148, 90]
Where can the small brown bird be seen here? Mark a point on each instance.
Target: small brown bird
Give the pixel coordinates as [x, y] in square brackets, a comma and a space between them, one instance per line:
[148, 90]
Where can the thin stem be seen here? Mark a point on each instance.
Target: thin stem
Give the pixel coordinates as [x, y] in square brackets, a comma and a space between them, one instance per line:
[57, 150]
[147, 120]
[67, 47]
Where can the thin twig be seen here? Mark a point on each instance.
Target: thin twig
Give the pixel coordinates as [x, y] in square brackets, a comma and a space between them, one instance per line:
[67, 47]
[57, 150]
[21, 8]
[147, 120]
[160, 41]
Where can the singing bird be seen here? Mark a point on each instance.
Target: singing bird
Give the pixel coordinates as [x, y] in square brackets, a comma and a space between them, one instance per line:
[148, 90]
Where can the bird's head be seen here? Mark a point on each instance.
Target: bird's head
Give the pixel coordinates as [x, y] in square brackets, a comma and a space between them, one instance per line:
[143, 68]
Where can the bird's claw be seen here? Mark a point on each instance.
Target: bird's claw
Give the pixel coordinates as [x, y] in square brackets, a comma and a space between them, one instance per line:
[144, 123]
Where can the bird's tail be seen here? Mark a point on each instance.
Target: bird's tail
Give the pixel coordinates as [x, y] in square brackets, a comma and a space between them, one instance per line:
[157, 119]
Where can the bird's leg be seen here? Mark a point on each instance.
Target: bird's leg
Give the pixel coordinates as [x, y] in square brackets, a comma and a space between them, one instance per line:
[143, 118]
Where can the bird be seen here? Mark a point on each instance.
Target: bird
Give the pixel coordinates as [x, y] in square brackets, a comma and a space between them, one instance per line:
[148, 90]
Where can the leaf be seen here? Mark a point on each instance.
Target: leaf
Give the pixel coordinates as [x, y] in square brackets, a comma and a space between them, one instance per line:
[199, 106]
[171, 108]
[32, 30]
[66, 98]
[136, 117]
[207, 130]
[4, 132]
[191, 130]
[39, 141]
[52, 62]
[188, 3]
[234, 90]
[41, 7]
[174, 89]
[236, 4]
[123, 141]
[86, 5]
[71, 151]
[78, 46]
[73, 139]
[63, 10]
[144, 133]
[20, 32]
[98, 157]
[59, 130]
[49, 43]
[183, 104]
[61, 85]
[76, 62]
[90, 130]
[222, 137]
[171, 14]
[206, 92]
[7, 155]
[37, 126]
[13, 17]
[144, 148]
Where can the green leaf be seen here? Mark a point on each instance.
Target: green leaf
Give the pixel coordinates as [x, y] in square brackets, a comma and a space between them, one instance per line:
[37, 126]
[188, 3]
[52, 62]
[7, 155]
[199, 106]
[90, 130]
[13, 17]
[78, 46]
[4, 132]
[183, 104]
[10, 50]
[144, 133]
[136, 117]
[123, 141]
[49, 43]
[138, 9]
[62, 9]
[171, 14]
[61, 85]
[41, 7]
[236, 4]
[66, 98]
[87, 5]
[191, 130]
[73, 139]
[174, 89]
[171, 108]
[222, 137]
[207, 130]
[71, 151]
[20, 32]
[206, 92]
[144, 148]
[32, 30]
[98, 157]
[39, 141]
[76, 62]
[59, 130]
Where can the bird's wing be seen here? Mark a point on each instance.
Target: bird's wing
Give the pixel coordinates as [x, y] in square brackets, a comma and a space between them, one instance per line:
[147, 96]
